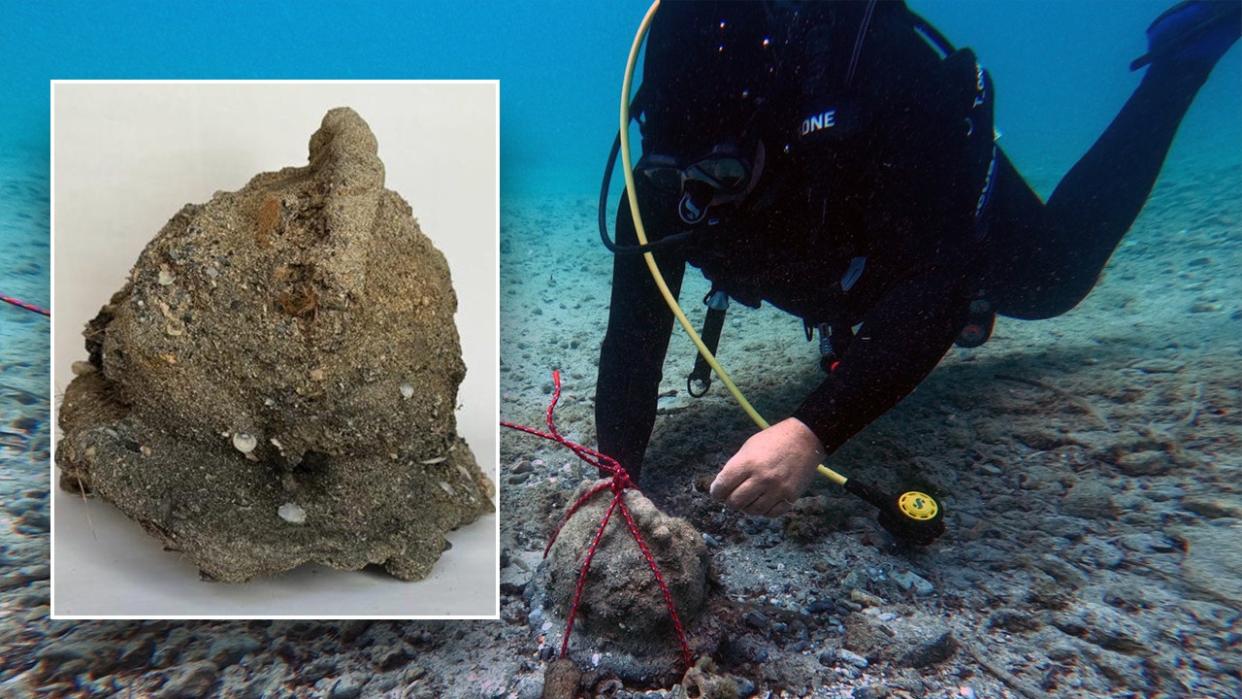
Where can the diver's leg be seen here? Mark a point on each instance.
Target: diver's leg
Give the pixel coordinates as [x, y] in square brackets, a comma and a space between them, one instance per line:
[1048, 257]
[631, 360]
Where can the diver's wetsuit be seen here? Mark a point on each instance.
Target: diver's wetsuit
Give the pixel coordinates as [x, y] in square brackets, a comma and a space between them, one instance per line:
[897, 187]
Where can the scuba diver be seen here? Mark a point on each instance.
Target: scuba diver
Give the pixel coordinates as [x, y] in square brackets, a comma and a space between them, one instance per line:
[838, 160]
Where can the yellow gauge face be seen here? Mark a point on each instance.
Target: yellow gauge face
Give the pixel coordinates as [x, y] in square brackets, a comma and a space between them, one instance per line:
[916, 505]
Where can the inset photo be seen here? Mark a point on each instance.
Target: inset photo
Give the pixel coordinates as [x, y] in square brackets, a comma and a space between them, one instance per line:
[275, 349]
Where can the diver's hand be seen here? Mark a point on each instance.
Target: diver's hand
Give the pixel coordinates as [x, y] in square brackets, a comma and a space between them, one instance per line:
[771, 469]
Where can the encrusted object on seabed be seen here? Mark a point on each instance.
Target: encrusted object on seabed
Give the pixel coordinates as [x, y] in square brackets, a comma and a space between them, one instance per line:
[276, 382]
[623, 625]
[621, 600]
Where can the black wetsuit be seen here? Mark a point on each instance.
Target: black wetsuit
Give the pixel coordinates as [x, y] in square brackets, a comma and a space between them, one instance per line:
[898, 187]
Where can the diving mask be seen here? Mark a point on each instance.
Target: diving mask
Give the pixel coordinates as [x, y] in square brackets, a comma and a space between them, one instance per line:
[719, 178]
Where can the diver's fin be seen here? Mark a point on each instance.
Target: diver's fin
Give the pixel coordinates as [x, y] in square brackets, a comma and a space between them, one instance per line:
[1199, 31]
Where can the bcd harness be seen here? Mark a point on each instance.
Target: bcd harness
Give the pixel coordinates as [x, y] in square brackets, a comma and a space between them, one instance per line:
[836, 333]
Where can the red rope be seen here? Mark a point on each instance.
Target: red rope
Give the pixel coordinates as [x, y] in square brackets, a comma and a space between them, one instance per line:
[618, 481]
[26, 306]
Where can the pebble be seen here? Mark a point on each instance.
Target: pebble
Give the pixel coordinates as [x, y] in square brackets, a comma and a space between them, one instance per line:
[1088, 499]
[850, 657]
[346, 687]
[865, 598]
[243, 442]
[1063, 571]
[755, 619]
[1213, 507]
[191, 681]
[1099, 554]
[821, 606]
[930, 652]
[1157, 366]
[1070, 528]
[407, 391]
[228, 650]
[1013, 620]
[911, 581]
[1144, 463]
[292, 513]
[1102, 626]
[529, 686]
[748, 649]
[1214, 561]
[870, 691]
[1146, 542]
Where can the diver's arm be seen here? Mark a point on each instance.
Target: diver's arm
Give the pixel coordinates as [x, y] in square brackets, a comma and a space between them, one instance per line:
[901, 340]
[631, 359]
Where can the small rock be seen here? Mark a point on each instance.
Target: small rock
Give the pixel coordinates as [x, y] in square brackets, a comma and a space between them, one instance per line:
[1144, 463]
[870, 691]
[747, 649]
[292, 513]
[1157, 366]
[1213, 507]
[561, 679]
[407, 391]
[243, 442]
[911, 581]
[865, 598]
[1102, 626]
[1014, 620]
[1088, 499]
[755, 619]
[1070, 528]
[392, 657]
[1095, 553]
[930, 652]
[346, 687]
[1063, 571]
[849, 657]
[529, 686]
[191, 681]
[1146, 542]
[137, 653]
[1214, 561]
[228, 650]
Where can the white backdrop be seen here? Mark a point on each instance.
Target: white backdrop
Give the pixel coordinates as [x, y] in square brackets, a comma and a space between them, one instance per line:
[126, 157]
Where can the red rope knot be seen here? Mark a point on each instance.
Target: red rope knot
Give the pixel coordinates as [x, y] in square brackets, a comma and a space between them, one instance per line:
[621, 481]
[618, 481]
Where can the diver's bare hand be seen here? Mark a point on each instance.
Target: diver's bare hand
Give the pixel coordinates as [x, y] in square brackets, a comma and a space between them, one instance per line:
[771, 470]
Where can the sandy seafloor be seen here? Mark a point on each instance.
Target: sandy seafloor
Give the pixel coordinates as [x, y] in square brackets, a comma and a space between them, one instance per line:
[1093, 545]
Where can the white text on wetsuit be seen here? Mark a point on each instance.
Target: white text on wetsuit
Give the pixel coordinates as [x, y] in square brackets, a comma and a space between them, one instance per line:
[823, 120]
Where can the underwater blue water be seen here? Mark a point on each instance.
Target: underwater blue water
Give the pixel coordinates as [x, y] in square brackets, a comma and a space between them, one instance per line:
[24, 276]
[1060, 67]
